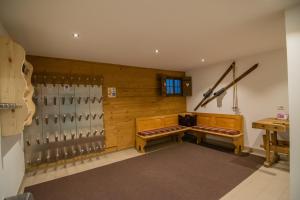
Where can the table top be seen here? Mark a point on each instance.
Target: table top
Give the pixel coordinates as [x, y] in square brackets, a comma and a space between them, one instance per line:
[272, 124]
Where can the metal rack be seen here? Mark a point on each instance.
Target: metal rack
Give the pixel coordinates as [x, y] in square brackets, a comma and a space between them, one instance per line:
[68, 121]
[8, 106]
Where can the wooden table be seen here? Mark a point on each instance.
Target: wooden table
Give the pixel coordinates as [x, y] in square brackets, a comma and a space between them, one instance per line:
[271, 143]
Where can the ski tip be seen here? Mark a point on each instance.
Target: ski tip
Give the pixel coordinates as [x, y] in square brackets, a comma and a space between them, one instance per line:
[254, 67]
[196, 108]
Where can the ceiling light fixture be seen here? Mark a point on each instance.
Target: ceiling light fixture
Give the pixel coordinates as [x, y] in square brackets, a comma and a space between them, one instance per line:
[202, 60]
[76, 35]
[156, 51]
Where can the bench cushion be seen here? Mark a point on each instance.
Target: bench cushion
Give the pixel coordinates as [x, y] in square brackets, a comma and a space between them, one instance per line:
[161, 130]
[217, 129]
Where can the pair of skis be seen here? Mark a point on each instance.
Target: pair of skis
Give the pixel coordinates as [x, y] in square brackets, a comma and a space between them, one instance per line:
[207, 95]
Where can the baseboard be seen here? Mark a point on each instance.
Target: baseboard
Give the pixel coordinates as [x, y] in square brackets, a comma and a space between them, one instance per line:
[255, 151]
[247, 149]
[21, 187]
[262, 153]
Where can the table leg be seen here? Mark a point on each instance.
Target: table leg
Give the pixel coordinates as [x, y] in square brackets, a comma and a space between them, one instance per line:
[275, 143]
[267, 163]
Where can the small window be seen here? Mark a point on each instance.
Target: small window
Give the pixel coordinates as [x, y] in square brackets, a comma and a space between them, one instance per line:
[173, 86]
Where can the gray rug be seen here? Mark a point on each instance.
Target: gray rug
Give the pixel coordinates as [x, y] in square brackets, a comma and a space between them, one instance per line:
[185, 171]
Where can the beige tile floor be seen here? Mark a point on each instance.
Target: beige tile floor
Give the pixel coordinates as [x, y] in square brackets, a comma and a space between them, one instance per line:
[264, 184]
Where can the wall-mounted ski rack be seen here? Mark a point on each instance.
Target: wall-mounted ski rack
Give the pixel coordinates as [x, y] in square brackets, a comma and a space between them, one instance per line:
[57, 78]
[8, 106]
[68, 122]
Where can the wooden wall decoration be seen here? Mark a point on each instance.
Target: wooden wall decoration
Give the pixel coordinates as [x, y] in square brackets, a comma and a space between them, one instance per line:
[68, 123]
[163, 79]
[12, 88]
[138, 94]
[27, 70]
[187, 86]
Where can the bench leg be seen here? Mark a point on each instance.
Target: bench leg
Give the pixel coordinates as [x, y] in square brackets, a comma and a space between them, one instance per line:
[200, 138]
[174, 138]
[179, 137]
[140, 144]
[239, 144]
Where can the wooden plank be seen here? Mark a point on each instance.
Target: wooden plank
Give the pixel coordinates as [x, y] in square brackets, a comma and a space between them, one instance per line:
[221, 120]
[162, 134]
[217, 134]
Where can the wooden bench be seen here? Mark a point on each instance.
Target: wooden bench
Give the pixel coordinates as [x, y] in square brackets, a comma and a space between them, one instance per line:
[152, 128]
[221, 125]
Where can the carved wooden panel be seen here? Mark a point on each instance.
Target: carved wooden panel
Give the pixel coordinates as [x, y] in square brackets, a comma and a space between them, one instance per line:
[187, 86]
[149, 124]
[171, 120]
[12, 87]
[207, 120]
[230, 123]
[221, 120]
[27, 70]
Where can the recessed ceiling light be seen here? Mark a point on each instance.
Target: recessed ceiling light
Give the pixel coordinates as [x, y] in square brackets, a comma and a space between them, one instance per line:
[202, 60]
[76, 35]
[156, 51]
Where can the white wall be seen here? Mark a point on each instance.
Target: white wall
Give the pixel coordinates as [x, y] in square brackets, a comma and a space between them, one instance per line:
[3, 32]
[259, 93]
[292, 22]
[11, 159]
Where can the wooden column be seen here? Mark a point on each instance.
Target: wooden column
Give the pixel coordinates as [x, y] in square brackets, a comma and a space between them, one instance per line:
[267, 163]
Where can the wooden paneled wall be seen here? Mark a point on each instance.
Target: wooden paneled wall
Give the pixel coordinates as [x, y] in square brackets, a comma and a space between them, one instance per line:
[138, 94]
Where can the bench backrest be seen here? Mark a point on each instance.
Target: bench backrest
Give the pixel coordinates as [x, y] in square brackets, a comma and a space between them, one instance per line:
[150, 123]
[221, 120]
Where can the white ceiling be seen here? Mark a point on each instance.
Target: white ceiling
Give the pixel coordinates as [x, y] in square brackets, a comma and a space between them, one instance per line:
[128, 31]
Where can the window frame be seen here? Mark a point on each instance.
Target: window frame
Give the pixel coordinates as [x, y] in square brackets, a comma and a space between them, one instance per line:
[174, 86]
